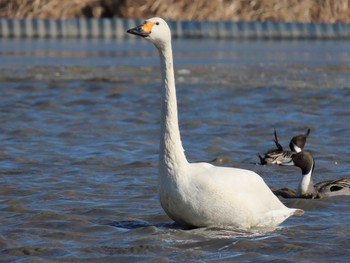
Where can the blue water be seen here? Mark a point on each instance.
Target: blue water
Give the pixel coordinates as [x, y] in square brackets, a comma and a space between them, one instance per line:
[134, 52]
[79, 141]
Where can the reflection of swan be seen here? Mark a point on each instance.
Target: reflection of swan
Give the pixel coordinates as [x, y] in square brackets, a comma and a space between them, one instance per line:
[280, 156]
[200, 194]
[306, 163]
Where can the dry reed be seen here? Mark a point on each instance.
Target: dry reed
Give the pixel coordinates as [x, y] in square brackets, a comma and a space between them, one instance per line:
[273, 10]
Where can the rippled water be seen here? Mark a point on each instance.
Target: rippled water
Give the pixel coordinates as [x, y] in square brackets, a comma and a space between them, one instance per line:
[79, 142]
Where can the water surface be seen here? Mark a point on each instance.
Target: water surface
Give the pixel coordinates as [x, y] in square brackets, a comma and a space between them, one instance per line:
[79, 142]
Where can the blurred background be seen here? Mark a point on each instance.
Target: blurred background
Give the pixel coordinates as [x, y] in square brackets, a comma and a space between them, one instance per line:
[234, 10]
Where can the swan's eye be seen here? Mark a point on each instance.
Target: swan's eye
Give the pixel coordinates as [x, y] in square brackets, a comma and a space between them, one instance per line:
[157, 23]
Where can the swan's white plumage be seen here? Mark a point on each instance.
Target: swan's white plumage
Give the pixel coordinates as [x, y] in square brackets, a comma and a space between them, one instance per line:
[204, 195]
[200, 194]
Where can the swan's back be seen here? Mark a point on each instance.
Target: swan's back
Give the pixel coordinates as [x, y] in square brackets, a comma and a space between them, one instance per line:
[223, 196]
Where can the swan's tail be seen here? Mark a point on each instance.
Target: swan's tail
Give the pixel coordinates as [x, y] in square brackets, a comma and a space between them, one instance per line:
[276, 217]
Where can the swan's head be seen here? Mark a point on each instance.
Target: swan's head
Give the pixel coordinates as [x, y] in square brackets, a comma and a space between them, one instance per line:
[155, 30]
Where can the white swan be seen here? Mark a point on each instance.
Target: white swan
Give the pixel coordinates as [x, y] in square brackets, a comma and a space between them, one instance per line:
[200, 194]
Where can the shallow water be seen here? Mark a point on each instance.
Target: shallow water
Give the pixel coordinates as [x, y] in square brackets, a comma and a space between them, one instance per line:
[79, 142]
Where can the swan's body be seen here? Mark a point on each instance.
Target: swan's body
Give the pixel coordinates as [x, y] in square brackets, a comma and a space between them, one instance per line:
[200, 194]
[307, 188]
[279, 155]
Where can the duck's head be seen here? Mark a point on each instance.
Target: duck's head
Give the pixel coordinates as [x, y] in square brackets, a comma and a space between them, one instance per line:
[304, 160]
[155, 30]
[297, 143]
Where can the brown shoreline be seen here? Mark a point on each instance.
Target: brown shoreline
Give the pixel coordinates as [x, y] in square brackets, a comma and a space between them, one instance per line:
[329, 11]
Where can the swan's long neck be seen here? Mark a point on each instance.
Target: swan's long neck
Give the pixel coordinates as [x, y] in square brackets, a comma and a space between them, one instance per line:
[306, 186]
[171, 154]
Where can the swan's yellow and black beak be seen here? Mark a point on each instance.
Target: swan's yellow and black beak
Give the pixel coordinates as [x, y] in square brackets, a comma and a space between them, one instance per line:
[142, 30]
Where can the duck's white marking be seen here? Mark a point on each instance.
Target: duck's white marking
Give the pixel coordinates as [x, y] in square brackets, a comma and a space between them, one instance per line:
[200, 194]
[296, 148]
[306, 186]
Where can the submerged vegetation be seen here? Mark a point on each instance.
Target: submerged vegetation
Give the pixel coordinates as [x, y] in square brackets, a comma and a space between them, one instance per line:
[234, 10]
